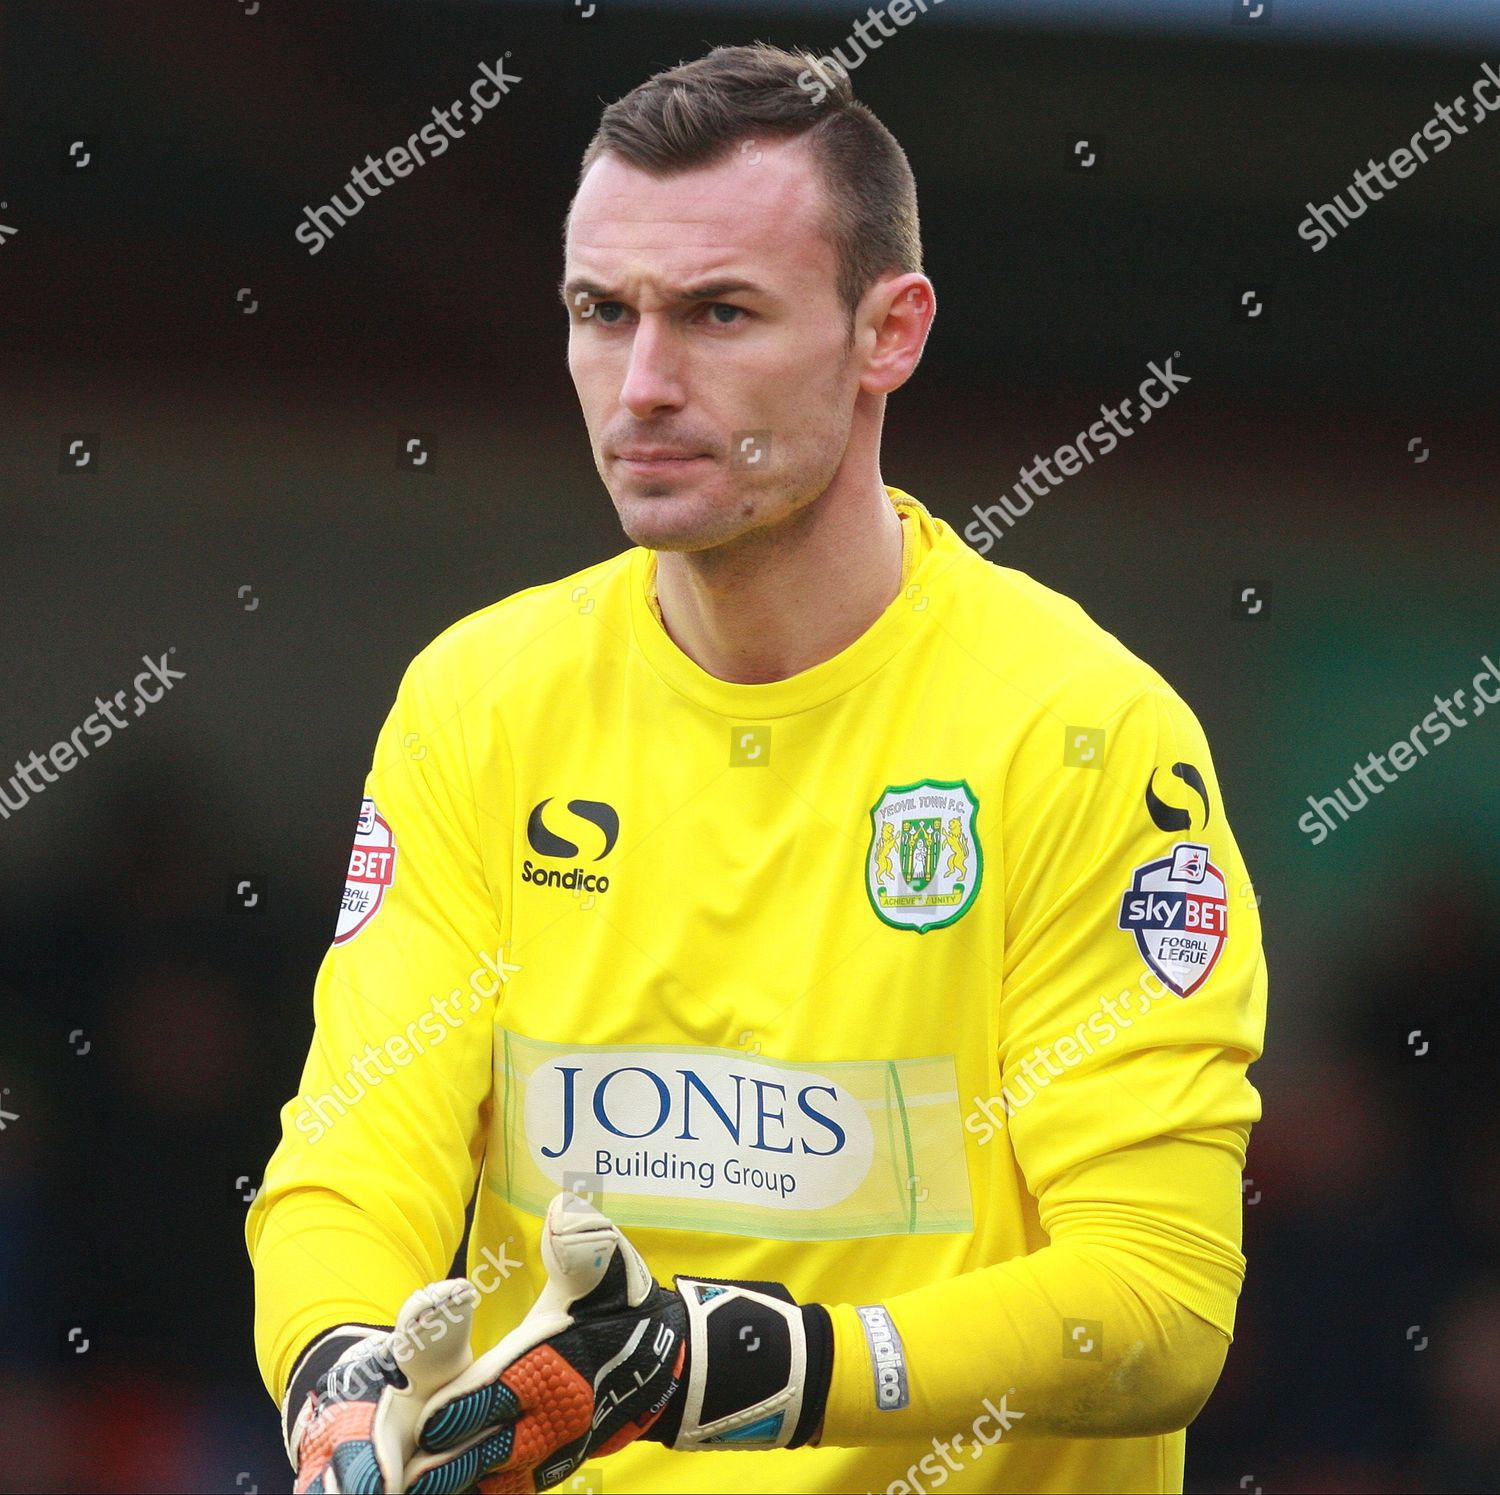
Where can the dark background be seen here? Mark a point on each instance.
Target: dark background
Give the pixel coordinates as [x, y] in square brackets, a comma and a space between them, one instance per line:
[245, 507]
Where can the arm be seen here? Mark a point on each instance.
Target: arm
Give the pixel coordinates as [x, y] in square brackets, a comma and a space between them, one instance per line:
[363, 1201]
[1129, 1111]
[1134, 1238]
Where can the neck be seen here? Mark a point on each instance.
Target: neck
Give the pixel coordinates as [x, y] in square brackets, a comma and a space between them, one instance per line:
[775, 603]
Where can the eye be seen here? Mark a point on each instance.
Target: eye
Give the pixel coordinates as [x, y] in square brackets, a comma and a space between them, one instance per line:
[722, 314]
[610, 313]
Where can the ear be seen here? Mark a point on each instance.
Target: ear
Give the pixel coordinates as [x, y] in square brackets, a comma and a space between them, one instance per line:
[898, 309]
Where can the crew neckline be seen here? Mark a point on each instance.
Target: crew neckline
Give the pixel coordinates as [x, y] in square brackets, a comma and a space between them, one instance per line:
[813, 686]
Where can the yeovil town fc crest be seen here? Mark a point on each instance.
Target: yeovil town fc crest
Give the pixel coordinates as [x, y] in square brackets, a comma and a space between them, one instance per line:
[924, 863]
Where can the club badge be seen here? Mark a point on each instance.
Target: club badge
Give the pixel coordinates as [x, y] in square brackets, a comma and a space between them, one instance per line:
[924, 864]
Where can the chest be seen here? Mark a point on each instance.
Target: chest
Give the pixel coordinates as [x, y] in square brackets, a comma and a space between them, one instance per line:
[825, 886]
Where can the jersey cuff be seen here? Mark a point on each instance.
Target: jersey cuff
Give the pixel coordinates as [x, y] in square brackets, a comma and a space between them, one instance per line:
[818, 1328]
[851, 1393]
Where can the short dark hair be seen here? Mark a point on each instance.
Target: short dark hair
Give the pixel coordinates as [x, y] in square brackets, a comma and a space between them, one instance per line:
[696, 113]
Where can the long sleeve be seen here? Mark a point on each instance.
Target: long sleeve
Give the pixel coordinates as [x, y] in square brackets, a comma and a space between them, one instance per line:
[1089, 1337]
[364, 1198]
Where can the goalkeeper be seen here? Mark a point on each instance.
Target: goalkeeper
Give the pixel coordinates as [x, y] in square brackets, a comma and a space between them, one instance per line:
[818, 955]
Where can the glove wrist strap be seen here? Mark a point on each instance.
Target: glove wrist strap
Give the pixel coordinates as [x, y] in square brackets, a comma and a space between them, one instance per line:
[315, 1361]
[758, 1368]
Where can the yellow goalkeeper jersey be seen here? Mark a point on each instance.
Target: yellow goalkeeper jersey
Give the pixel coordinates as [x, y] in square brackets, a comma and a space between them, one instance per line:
[892, 981]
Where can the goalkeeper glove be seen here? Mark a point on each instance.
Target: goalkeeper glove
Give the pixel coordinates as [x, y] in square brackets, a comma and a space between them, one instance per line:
[354, 1403]
[606, 1355]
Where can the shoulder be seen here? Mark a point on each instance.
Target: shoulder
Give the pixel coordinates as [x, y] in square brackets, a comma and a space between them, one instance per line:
[1041, 646]
[529, 632]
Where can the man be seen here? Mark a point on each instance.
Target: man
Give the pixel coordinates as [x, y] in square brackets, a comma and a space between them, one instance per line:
[849, 920]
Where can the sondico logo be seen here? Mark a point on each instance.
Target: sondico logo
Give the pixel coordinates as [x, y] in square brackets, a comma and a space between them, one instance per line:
[664, 1123]
[888, 1356]
[547, 843]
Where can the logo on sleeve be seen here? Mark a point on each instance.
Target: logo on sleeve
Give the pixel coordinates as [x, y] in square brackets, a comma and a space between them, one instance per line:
[888, 1358]
[372, 869]
[1170, 818]
[1177, 910]
[924, 864]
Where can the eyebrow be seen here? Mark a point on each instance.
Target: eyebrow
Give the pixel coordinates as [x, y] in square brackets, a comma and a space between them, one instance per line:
[709, 290]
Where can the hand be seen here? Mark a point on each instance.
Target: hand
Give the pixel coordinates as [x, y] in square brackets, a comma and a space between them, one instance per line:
[606, 1355]
[589, 1369]
[358, 1428]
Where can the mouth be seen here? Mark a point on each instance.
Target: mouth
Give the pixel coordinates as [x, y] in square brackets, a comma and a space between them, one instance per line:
[656, 462]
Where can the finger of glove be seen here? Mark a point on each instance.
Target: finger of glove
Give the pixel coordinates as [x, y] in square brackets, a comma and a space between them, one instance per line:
[542, 1393]
[431, 1347]
[463, 1470]
[589, 1262]
[463, 1418]
[580, 1248]
[545, 1405]
[434, 1355]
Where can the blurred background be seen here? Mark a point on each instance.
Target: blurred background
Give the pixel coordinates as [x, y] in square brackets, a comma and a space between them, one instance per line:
[204, 448]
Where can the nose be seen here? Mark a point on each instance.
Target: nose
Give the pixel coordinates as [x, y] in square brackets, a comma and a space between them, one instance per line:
[653, 377]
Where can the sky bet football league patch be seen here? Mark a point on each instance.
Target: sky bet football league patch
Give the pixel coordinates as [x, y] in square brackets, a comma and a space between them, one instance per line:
[1177, 911]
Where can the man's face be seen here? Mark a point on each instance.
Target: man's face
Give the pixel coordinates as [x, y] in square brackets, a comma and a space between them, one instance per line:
[708, 344]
